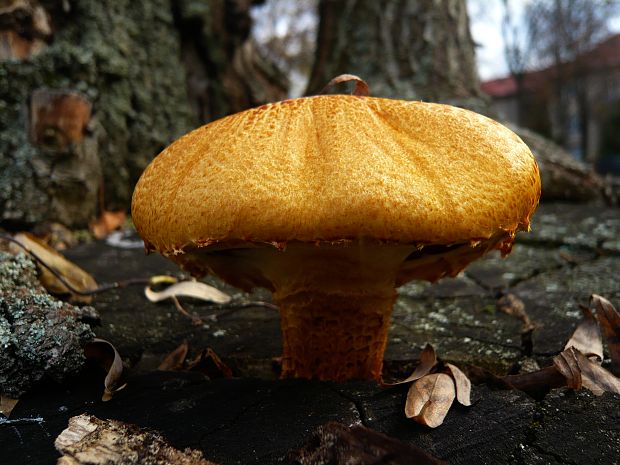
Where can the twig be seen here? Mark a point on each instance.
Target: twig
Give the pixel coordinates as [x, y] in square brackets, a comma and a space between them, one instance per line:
[126, 283]
[196, 320]
[97, 290]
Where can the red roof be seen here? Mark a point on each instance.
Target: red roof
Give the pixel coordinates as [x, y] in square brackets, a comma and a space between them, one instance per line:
[505, 87]
[605, 55]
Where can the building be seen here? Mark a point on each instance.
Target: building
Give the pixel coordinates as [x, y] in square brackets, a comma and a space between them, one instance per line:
[575, 103]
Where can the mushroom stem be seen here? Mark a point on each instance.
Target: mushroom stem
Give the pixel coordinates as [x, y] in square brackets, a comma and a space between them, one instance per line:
[334, 336]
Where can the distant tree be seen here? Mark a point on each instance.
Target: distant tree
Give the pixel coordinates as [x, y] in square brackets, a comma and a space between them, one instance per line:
[518, 42]
[561, 32]
[402, 48]
[286, 34]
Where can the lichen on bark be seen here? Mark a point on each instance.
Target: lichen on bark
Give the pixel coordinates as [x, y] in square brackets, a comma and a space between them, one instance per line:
[40, 336]
[121, 55]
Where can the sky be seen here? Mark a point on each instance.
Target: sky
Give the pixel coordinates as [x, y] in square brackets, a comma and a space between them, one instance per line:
[277, 17]
[485, 18]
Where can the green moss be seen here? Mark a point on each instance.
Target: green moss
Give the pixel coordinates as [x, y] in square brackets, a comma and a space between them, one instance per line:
[135, 83]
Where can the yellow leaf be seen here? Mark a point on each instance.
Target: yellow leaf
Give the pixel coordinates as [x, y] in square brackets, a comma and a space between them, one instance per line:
[73, 274]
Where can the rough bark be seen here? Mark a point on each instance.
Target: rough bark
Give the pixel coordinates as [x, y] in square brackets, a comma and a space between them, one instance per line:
[334, 444]
[89, 440]
[125, 62]
[226, 72]
[40, 336]
[406, 49]
[121, 57]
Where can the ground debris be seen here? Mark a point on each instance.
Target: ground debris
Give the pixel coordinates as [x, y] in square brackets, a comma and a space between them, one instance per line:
[103, 352]
[334, 444]
[206, 362]
[609, 320]
[434, 387]
[49, 259]
[577, 366]
[89, 440]
[39, 335]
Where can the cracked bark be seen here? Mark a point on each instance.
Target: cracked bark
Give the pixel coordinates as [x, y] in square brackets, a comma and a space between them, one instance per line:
[90, 440]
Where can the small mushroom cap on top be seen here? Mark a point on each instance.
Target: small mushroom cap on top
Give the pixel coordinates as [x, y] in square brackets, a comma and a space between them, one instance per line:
[338, 167]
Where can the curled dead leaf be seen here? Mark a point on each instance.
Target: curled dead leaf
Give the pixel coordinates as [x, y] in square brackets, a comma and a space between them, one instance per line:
[566, 364]
[609, 320]
[428, 360]
[512, 305]
[361, 87]
[583, 372]
[206, 362]
[175, 359]
[587, 337]
[210, 364]
[461, 383]
[194, 289]
[429, 399]
[77, 278]
[106, 355]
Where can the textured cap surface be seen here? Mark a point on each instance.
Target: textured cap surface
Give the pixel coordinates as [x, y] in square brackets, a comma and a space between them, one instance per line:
[338, 167]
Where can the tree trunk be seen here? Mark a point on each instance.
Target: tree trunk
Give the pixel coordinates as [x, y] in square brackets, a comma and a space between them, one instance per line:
[90, 91]
[408, 49]
[225, 70]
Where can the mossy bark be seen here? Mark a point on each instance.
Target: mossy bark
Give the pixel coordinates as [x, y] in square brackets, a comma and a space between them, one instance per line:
[127, 59]
[40, 336]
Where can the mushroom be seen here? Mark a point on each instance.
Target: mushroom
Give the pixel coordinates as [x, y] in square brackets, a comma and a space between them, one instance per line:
[332, 202]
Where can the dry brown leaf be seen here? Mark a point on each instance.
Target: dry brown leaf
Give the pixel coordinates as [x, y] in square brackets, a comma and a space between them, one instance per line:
[73, 274]
[194, 289]
[511, 305]
[428, 359]
[108, 221]
[174, 360]
[7, 405]
[587, 337]
[567, 365]
[590, 374]
[361, 87]
[537, 383]
[430, 398]
[462, 384]
[210, 364]
[594, 377]
[609, 320]
[104, 353]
